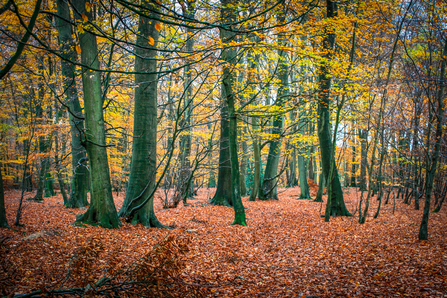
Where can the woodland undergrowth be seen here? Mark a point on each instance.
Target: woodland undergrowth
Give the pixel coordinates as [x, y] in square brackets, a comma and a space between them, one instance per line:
[287, 250]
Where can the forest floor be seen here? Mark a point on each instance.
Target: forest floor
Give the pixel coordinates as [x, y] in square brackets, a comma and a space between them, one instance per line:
[287, 250]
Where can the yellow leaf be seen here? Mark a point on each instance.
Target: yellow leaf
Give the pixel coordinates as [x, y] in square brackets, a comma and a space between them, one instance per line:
[151, 41]
[84, 17]
[80, 29]
[157, 26]
[78, 49]
[88, 6]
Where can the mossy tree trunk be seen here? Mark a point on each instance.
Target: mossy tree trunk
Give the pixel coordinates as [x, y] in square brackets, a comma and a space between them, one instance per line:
[269, 185]
[78, 194]
[102, 209]
[138, 206]
[223, 195]
[337, 204]
[229, 55]
[432, 160]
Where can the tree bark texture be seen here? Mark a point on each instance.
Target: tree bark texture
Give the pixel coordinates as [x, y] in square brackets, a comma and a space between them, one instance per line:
[228, 14]
[78, 194]
[138, 206]
[324, 132]
[102, 209]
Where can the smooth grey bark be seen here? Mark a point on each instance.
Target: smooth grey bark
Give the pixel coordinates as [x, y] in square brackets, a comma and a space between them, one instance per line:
[79, 182]
[102, 209]
[138, 206]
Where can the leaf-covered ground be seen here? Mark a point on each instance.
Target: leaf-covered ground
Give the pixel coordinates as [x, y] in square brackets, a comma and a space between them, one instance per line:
[287, 250]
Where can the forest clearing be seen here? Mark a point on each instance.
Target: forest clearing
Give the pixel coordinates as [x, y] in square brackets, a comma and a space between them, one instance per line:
[287, 250]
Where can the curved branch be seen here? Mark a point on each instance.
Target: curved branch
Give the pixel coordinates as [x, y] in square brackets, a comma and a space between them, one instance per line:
[22, 43]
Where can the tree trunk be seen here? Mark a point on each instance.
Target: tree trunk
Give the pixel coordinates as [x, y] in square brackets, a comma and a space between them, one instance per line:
[138, 206]
[212, 179]
[321, 186]
[269, 184]
[102, 209]
[324, 134]
[257, 164]
[78, 194]
[353, 167]
[431, 171]
[363, 157]
[243, 172]
[223, 195]
[43, 145]
[184, 186]
[228, 14]
[304, 186]
[58, 168]
[3, 221]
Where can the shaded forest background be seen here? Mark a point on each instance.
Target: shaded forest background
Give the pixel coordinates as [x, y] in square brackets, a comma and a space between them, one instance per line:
[159, 102]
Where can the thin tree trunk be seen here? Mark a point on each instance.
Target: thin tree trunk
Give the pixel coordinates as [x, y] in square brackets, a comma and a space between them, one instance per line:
[353, 165]
[363, 157]
[184, 187]
[304, 186]
[3, 220]
[257, 162]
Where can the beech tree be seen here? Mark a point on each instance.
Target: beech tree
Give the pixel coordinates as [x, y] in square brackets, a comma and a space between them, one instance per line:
[138, 205]
[102, 209]
[78, 194]
[337, 204]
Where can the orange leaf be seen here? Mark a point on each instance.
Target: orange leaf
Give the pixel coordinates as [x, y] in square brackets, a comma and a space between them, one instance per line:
[157, 26]
[84, 17]
[78, 49]
[151, 41]
[88, 6]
